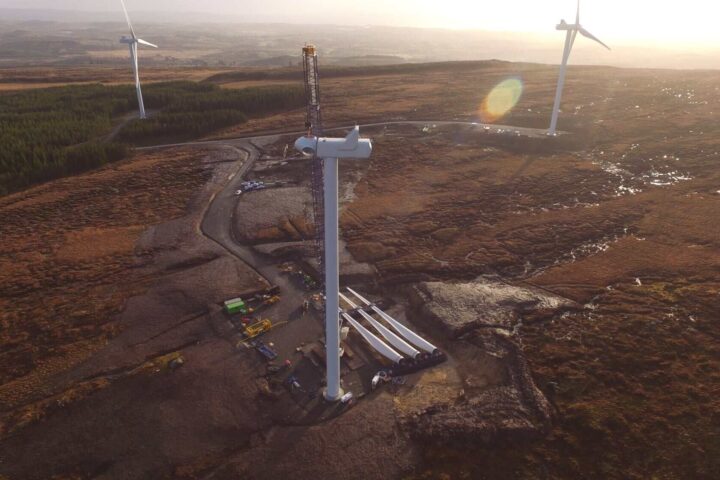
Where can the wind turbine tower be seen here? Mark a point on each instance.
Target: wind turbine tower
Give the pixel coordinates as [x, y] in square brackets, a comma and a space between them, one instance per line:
[327, 152]
[330, 150]
[572, 31]
[132, 41]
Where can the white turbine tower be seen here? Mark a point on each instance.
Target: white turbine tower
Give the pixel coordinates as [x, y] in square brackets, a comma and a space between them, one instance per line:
[132, 41]
[572, 31]
[331, 150]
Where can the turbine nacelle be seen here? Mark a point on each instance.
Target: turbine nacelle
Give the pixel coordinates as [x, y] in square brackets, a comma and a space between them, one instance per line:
[350, 147]
[563, 25]
[130, 40]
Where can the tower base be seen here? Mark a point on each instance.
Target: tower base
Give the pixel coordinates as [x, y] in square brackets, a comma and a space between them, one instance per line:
[333, 399]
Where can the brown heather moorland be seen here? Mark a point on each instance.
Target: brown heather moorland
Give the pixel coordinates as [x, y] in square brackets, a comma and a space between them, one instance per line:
[620, 217]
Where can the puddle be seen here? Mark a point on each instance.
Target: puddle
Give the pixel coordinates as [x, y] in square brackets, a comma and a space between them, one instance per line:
[632, 184]
[584, 250]
[687, 96]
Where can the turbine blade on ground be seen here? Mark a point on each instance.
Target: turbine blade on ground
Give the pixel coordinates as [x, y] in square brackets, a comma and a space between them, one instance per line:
[382, 347]
[394, 340]
[143, 42]
[411, 336]
[127, 17]
[589, 35]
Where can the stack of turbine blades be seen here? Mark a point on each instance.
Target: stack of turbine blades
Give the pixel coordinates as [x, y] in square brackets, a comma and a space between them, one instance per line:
[409, 335]
[396, 341]
[381, 347]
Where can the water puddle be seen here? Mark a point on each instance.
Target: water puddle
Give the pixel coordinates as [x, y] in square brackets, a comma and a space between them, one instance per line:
[658, 175]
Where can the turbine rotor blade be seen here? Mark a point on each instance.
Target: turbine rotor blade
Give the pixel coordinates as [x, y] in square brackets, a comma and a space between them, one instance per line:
[589, 35]
[136, 65]
[577, 18]
[127, 17]
[143, 42]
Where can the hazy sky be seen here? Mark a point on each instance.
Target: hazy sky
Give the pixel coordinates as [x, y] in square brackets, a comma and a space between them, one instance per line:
[651, 21]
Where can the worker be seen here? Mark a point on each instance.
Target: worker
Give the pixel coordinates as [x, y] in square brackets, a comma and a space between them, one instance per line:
[293, 382]
[305, 306]
[376, 381]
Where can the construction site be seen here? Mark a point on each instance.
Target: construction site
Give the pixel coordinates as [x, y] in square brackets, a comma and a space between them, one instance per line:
[342, 349]
[402, 275]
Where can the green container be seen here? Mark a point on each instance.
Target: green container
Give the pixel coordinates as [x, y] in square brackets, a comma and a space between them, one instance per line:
[236, 305]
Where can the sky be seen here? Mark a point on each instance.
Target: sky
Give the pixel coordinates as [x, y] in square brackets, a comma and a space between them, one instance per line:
[653, 22]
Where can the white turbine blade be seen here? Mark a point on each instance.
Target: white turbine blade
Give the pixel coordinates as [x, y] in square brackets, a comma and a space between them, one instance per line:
[411, 336]
[394, 340]
[127, 17]
[143, 42]
[589, 35]
[382, 347]
[136, 65]
[136, 71]
[577, 18]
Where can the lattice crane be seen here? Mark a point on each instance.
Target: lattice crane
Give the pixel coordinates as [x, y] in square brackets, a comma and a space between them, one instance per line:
[313, 124]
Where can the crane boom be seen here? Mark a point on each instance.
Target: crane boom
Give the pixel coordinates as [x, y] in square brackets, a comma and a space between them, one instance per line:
[313, 124]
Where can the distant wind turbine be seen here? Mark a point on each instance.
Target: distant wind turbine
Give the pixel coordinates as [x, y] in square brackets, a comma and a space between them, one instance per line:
[572, 31]
[132, 41]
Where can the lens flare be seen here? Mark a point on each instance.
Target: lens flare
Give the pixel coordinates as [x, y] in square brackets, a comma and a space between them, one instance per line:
[501, 100]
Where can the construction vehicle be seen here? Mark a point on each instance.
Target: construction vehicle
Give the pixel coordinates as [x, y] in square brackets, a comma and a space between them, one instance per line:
[251, 186]
[318, 302]
[271, 300]
[237, 305]
[262, 301]
[252, 331]
[266, 351]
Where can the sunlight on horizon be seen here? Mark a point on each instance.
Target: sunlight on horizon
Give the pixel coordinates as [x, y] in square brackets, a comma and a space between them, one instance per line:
[638, 21]
[670, 23]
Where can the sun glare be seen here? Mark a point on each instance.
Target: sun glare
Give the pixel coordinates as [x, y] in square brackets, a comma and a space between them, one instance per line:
[501, 100]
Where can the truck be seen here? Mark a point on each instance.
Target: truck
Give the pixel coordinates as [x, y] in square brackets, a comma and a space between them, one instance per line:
[266, 351]
[250, 186]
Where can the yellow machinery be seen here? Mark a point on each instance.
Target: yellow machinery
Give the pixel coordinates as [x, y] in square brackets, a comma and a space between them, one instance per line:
[272, 300]
[252, 331]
